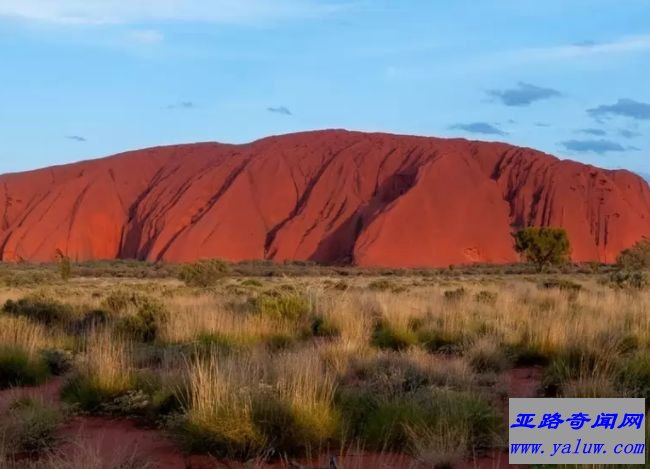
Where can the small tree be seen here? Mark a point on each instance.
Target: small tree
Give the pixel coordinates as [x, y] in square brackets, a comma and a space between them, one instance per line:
[65, 266]
[543, 246]
[635, 258]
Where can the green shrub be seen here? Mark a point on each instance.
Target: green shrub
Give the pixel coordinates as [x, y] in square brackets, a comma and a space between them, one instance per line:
[439, 340]
[380, 285]
[293, 429]
[486, 355]
[30, 426]
[206, 273]
[322, 327]
[393, 374]
[217, 405]
[569, 365]
[40, 309]
[93, 319]
[120, 302]
[542, 304]
[455, 295]
[584, 357]
[87, 393]
[57, 361]
[105, 373]
[594, 387]
[486, 297]
[386, 427]
[140, 395]
[91, 395]
[282, 305]
[635, 258]
[225, 435]
[146, 323]
[388, 337]
[634, 375]
[26, 279]
[390, 424]
[561, 284]
[224, 344]
[629, 280]
[167, 401]
[251, 282]
[17, 368]
[280, 341]
[221, 343]
[356, 405]
[555, 377]
[526, 354]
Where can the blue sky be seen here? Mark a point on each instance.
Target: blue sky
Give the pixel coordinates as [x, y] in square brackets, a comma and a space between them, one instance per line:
[86, 78]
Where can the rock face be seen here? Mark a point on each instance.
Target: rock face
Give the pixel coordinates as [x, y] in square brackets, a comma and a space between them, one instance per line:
[329, 196]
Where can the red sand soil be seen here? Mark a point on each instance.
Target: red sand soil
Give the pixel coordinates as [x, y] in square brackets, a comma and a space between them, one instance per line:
[48, 392]
[106, 440]
[524, 382]
[329, 196]
[521, 382]
[114, 441]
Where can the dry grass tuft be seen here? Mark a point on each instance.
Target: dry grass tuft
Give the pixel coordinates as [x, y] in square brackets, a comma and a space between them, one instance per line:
[282, 367]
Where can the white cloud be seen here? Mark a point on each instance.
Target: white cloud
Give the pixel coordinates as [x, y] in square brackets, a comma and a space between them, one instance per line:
[133, 11]
[630, 44]
[597, 54]
[145, 36]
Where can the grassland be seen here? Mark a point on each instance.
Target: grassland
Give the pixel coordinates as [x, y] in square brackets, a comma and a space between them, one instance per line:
[283, 363]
